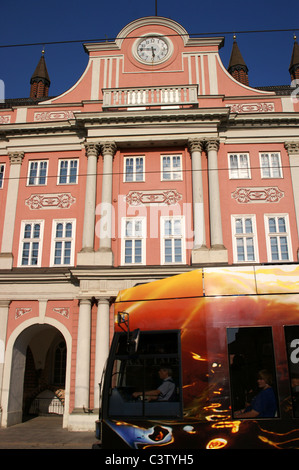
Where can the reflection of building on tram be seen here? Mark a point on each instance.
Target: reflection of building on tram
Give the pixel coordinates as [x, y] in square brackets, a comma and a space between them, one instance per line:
[149, 166]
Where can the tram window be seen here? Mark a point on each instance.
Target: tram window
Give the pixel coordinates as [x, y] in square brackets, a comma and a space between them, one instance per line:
[252, 372]
[152, 343]
[292, 344]
[134, 376]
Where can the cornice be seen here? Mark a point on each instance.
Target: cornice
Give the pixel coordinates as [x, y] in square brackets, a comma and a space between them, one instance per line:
[154, 21]
[101, 46]
[200, 42]
[151, 21]
[69, 127]
[38, 127]
[154, 116]
[73, 277]
[80, 125]
[121, 273]
[264, 120]
[36, 276]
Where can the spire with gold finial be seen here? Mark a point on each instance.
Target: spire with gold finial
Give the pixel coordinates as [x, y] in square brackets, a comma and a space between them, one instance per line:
[237, 67]
[40, 81]
[294, 65]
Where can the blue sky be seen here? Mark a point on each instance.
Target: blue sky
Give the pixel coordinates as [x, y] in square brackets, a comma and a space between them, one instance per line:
[267, 54]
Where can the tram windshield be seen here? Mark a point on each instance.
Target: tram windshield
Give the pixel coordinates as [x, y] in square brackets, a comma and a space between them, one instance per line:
[147, 383]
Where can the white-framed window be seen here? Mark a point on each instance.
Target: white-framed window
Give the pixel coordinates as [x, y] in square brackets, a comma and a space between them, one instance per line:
[133, 240]
[171, 167]
[277, 229]
[133, 168]
[2, 170]
[244, 233]
[37, 172]
[63, 242]
[270, 165]
[239, 165]
[173, 240]
[68, 171]
[30, 248]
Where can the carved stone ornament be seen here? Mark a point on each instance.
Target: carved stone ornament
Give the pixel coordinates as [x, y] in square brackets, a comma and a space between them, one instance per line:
[108, 148]
[139, 198]
[63, 311]
[292, 147]
[50, 201]
[252, 107]
[53, 116]
[5, 119]
[92, 149]
[195, 145]
[207, 144]
[16, 158]
[212, 144]
[20, 311]
[249, 195]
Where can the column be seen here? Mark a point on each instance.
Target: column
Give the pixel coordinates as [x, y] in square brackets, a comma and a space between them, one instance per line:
[4, 308]
[195, 149]
[216, 236]
[83, 356]
[6, 256]
[92, 153]
[293, 152]
[102, 344]
[108, 150]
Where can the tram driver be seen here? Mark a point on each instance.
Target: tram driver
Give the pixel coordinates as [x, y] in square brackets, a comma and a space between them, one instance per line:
[165, 391]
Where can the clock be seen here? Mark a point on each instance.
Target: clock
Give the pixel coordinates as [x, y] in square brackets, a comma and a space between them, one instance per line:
[152, 49]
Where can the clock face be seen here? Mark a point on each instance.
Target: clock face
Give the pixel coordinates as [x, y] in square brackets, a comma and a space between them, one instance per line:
[152, 50]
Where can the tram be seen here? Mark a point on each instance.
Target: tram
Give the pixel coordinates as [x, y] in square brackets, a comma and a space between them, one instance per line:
[214, 329]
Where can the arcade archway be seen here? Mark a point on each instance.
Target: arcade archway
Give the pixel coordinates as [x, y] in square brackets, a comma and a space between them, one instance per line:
[38, 373]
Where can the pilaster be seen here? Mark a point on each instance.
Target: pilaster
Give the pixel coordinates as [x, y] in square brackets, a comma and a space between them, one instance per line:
[83, 357]
[102, 344]
[217, 253]
[6, 255]
[199, 251]
[105, 255]
[292, 148]
[85, 257]
[4, 309]
[212, 147]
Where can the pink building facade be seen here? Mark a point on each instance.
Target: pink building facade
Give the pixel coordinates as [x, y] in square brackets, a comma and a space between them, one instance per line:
[157, 161]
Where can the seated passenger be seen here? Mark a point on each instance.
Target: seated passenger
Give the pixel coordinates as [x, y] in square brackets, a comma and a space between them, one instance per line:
[263, 405]
[165, 391]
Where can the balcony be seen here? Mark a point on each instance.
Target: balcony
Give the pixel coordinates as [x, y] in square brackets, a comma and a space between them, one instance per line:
[148, 97]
